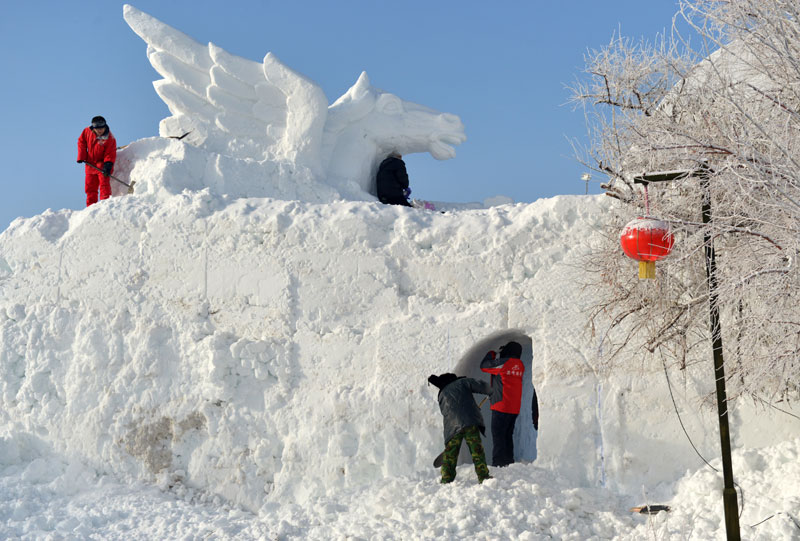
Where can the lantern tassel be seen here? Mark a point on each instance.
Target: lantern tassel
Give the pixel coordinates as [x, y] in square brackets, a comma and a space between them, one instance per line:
[647, 270]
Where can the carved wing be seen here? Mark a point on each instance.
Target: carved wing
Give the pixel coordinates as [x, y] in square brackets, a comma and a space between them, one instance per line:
[232, 105]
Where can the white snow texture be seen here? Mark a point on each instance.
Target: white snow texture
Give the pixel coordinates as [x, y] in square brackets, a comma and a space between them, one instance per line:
[240, 349]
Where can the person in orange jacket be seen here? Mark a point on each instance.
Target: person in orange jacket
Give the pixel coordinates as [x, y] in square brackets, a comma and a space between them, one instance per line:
[96, 146]
[506, 370]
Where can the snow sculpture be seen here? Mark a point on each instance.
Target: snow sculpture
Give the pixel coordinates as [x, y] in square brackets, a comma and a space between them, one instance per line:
[269, 113]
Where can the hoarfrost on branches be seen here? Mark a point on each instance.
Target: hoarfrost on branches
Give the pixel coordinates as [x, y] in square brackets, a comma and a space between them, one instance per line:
[723, 106]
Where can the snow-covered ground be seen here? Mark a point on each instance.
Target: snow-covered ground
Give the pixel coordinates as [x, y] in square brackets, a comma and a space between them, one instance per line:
[240, 351]
[45, 496]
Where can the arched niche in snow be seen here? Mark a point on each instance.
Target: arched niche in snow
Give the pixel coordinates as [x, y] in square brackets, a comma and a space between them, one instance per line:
[470, 366]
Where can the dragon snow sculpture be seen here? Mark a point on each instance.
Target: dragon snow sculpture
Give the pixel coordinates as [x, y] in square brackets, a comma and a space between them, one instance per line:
[267, 112]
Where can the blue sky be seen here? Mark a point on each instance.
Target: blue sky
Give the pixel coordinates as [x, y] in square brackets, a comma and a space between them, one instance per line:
[501, 66]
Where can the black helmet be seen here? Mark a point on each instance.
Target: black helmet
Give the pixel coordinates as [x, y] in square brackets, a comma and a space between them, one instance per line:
[98, 122]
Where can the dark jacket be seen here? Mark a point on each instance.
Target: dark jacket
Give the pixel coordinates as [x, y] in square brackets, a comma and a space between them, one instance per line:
[391, 180]
[458, 407]
[506, 370]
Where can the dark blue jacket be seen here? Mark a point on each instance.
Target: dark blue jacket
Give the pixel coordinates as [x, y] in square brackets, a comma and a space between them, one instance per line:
[391, 180]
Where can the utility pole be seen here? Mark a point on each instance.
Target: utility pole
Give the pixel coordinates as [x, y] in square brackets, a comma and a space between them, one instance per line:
[729, 497]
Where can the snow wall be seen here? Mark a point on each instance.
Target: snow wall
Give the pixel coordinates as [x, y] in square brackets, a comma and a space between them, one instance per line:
[269, 350]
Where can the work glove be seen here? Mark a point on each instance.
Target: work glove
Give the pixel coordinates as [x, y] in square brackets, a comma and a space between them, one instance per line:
[107, 168]
[406, 192]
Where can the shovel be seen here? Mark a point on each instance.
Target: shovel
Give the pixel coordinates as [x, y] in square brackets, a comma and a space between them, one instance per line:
[130, 186]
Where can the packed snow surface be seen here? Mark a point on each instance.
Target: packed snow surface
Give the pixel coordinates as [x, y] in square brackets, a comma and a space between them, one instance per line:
[240, 351]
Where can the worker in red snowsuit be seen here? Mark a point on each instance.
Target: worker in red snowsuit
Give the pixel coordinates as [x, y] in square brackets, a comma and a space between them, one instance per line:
[96, 146]
[506, 370]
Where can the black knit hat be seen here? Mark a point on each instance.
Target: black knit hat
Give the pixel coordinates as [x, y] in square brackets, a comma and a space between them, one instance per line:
[442, 381]
[98, 122]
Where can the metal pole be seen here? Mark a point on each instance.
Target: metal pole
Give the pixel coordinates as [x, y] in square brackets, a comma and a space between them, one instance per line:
[729, 497]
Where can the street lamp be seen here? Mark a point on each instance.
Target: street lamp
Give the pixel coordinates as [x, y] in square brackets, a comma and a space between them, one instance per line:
[586, 177]
[729, 497]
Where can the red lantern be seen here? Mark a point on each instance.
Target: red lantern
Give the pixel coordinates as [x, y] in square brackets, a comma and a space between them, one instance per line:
[646, 240]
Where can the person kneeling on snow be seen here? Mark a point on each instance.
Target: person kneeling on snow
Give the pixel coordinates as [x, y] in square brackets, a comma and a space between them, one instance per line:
[462, 420]
[391, 181]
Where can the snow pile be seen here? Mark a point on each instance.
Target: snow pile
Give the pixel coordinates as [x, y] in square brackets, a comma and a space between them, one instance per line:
[768, 496]
[48, 495]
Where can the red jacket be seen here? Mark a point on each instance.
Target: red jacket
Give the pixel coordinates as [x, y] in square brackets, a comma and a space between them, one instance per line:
[96, 151]
[506, 381]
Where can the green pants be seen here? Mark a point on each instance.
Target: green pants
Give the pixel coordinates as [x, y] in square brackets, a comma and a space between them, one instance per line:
[450, 459]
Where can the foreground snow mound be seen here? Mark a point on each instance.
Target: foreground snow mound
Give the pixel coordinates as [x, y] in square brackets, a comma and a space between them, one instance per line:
[768, 497]
[48, 494]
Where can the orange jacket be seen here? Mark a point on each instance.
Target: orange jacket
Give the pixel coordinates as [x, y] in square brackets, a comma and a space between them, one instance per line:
[96, 151]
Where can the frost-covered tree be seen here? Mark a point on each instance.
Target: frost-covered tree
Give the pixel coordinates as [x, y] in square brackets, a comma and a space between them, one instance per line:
[726, 106]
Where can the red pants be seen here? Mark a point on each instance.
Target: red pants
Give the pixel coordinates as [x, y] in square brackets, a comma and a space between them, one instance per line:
[94, 181]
